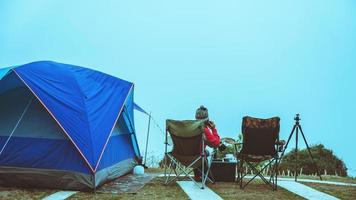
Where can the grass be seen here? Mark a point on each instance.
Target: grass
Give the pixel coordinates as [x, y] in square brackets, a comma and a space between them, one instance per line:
[342, 192]
[156, 190]
[24, 193]
[326, 178]
[152, 190]
[255, 190]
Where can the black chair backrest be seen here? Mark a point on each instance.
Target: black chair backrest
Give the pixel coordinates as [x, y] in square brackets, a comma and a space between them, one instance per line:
[260, 135]
[186, 136]
[186, 146]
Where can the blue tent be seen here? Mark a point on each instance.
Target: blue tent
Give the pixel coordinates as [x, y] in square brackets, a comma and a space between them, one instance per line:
[65, 126]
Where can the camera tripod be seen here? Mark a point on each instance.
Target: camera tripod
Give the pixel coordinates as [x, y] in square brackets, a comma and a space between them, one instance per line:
[296, 129]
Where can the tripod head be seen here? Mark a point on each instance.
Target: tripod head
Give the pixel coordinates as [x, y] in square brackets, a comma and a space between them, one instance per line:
[297, 118]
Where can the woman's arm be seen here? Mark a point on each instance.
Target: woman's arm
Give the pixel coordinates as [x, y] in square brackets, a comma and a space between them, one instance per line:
[212, 137]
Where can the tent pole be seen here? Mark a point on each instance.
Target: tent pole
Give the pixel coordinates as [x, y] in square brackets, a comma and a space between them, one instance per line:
[17, 124]
[148, 135]
[133, 129]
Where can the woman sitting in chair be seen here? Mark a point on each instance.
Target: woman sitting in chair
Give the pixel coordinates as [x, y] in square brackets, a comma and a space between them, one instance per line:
[212, 137]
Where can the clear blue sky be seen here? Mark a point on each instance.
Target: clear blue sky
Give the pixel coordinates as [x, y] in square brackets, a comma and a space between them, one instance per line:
[259, 58]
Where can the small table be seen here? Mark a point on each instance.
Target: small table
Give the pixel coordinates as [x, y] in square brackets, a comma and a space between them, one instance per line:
[223, 171]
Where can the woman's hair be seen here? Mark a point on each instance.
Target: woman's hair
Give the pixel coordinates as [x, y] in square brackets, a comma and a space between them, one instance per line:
[202, 113]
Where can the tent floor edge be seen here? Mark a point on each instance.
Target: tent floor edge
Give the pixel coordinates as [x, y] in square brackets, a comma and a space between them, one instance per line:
[62, 179]
[113, 172]
[44, 178]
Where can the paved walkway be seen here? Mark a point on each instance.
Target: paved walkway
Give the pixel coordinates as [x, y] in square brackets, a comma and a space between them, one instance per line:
[287, 183]
[304, 191]
[61, 195]
[196, 193]
[299, 180]
[312, 181]
[319, 181]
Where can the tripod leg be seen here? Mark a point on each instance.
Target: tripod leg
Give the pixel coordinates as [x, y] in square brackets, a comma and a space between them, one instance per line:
[310, 154]
[296, 154]
[284, 150]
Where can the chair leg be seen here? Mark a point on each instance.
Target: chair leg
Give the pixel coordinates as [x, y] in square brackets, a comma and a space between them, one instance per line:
[241, 172]
[169, 174]
[203, 172]
[255, 171]
[178, 169]
[276, 174]
[165, 165]
[270, 182]
[207, 173]
[212, 178]
[207, 178]
[174, 166]
[237, 171]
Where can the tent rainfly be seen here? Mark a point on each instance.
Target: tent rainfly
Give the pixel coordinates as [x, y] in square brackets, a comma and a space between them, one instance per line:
[65, 126]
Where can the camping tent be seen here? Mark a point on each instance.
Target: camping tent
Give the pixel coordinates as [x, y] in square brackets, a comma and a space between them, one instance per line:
[64, 126]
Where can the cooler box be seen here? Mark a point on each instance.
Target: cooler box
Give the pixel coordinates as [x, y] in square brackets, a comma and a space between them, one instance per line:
[223, 171]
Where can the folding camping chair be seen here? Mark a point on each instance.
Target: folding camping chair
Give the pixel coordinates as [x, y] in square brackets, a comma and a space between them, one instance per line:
[188, 151]
[260, 147]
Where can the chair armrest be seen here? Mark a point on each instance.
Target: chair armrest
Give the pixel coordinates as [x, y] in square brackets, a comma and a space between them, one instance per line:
[280, 145]
[230, 141]
[280, 142]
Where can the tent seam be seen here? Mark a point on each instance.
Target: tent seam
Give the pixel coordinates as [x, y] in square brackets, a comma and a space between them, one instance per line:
[111, 131]
[86, 113]
[66, 133]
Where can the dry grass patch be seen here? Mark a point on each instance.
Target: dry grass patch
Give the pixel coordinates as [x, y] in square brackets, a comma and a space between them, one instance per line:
[342, 192]
[325, 178]
[23, 193]
[152, 190]
[156, 190]
[255, 190]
